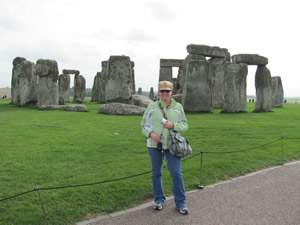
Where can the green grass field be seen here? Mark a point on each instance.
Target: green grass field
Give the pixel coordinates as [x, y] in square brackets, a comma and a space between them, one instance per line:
[58, 148]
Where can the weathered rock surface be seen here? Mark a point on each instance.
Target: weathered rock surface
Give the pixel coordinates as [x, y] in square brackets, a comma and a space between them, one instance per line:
[250, 59]
[171, 62]
[73, 107]
[76, 72]
[151, 93]
[206, 50]
[119, 78]
[178, 87]
[64, 87]
[132, 78]
[47, 70]
[18, 60]
[263, 85]
[102, 77]
[217, 71]
[178, 97]
[50, 107]
[165, 73]
[95, 89]
[140, 100]
[277, 92]
[121, 109]
[235, 87]
[79, 89]
[197, 91]
[140, 91]
[24, 82]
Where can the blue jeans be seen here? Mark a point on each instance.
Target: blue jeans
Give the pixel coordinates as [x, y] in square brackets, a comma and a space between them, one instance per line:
[174, 166]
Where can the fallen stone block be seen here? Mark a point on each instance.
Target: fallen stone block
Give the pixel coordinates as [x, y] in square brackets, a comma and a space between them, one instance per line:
[121, 109]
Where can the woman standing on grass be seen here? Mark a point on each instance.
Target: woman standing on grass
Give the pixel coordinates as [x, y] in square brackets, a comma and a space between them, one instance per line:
[156, 129]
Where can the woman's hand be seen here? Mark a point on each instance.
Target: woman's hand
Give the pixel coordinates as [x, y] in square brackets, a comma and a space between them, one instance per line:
[168, 125]
[155, 137]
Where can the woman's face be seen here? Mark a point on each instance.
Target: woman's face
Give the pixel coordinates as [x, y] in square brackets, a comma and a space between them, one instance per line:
[165, 95]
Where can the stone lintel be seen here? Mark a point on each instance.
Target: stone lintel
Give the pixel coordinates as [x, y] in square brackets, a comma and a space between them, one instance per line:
[67, 71]
[171, 62]
[206, 50]
[250, 59]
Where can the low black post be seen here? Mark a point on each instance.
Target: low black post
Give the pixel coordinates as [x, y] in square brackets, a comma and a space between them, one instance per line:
[282, 156]
[201, 186]
[42, 205]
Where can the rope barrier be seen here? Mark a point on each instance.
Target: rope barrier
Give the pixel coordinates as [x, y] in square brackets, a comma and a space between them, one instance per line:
[244, 150]
[140, 174]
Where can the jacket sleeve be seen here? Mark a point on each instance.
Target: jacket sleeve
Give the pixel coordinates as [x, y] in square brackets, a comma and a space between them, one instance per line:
[182, 124]
[146, 122]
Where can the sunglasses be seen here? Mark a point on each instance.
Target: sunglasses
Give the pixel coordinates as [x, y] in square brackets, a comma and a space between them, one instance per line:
[166, 91]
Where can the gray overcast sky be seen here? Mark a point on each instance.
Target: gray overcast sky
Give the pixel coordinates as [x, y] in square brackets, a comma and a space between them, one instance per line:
[81, 34]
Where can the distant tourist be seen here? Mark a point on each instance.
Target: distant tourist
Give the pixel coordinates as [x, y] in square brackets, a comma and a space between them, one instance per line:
[157, 132]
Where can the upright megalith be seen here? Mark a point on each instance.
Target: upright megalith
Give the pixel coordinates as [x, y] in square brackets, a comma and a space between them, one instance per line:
[102, 76]
[79, 89]
[95, 88]
[263, 85]
[165, 73]
[197, 91]
[217, 71]
[47, 70]
[277, 92]
[182, 71]
[151, 94]
[64, 87]
[118, 80]
[235, 87]
[132, 77]
[24, 82]
[140, 91]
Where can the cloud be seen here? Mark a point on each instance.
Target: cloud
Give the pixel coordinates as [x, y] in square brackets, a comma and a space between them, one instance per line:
[138, 35]
[161, 12]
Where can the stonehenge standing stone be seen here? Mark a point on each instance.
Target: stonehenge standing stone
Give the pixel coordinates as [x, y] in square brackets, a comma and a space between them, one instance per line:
[277, 92]
[102, 77]
[165, 73]
[182, 71]
[263, 85]
[140, 91]
[217, 71]
[196, 91]
[151, 94]
[24, 82]
[64, 87]
[235, 87]
[118, 82]
[166, 70]
[79, 89]
[95, 89]
[47, 70]
[132, 78]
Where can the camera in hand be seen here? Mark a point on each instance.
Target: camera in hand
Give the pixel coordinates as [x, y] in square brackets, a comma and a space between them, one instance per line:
[159, 146]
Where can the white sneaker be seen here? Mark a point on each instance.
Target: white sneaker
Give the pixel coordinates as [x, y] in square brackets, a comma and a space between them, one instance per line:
[158, 206]
[183, 210]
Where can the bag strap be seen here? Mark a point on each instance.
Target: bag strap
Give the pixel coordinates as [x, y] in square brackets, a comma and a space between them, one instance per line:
[164, 116]
[162, 111]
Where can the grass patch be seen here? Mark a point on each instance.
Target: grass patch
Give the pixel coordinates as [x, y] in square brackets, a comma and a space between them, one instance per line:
[59, 148]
